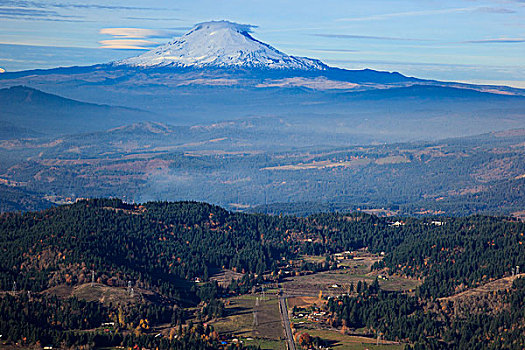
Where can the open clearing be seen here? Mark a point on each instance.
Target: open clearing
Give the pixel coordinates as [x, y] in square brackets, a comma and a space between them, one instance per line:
[340, 341]
[319, 165]
[497, 285]
[327, 164]
[225, 276]
[239, 321]
[304, 302]
[337, 282]
[99, 292]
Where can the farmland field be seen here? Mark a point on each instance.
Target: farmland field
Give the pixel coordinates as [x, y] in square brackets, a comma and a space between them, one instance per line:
[337, 282]
[239, 321]
[340, 341]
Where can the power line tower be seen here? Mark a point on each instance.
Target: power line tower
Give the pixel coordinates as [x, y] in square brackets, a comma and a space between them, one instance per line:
[130, 290]
[255, 315]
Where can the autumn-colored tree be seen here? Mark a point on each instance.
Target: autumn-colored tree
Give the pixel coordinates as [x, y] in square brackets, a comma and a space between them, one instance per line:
[344, 329]
[143, 323]
[304, 339]
[121, 318]
[173, 332]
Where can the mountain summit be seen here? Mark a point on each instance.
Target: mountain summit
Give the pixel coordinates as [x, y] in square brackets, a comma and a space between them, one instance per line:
[220, 44]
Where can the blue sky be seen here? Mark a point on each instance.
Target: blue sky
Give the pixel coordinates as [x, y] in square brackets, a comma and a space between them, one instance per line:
[463, 40]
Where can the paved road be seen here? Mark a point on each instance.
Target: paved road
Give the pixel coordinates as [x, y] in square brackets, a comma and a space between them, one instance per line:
[286, 323]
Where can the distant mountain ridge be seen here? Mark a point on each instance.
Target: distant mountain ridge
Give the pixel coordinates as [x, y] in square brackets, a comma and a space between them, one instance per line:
[29, 112]
[376, 115]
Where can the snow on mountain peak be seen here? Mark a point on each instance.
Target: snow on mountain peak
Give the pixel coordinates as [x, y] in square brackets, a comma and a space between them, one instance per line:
[220, 44]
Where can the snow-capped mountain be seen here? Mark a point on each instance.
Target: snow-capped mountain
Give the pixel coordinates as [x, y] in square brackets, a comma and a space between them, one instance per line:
[220, 44]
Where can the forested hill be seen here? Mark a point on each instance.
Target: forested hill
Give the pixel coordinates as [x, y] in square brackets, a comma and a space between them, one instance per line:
[163, 247]
[161, 243]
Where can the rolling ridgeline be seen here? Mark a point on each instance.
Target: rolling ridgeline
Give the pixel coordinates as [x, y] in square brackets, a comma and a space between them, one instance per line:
[163, 246]
[244, 165]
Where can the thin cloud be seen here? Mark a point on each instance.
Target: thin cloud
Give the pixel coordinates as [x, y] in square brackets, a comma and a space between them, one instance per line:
[499, 10]
[332, 50]
[20, 3]
[128, 44]
[108, 7]
[154, 18]
[180, 28]
[36, 14]
[368, 37]
[31, 13]
[137, 33]
[496, 41]
[41, 4]
[29, 18]
[408, 14]
[433, 64]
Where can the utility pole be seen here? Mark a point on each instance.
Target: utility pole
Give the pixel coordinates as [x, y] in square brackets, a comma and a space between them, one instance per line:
[130, 290]
[92, 278]
[14, 287]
